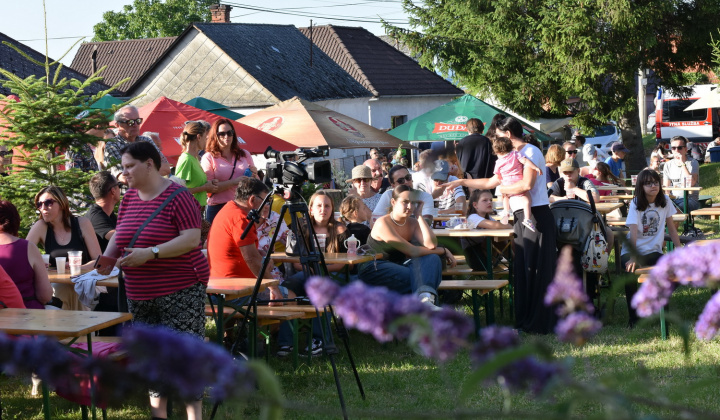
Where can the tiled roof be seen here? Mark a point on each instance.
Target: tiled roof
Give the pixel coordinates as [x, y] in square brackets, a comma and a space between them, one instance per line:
[380, 68]
[278, 57]
[15, 63]
[128, 58]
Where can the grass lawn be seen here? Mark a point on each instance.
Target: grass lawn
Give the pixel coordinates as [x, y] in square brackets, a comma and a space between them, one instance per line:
[401, 384]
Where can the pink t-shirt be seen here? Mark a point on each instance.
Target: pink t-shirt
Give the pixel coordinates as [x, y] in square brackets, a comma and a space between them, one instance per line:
[219, 168]
[508, 168]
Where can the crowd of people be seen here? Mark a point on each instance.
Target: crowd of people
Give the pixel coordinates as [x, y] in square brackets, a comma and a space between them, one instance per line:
[167, 216]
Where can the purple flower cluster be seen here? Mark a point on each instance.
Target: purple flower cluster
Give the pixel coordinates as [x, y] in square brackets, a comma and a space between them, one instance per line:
[577, 328]
[696, 266]
[41, 355]
[184, 365]
[386, 314]
[709, 320]
[566, 288]
[525, 373]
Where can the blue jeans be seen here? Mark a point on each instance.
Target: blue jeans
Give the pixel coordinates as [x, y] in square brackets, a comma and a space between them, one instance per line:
[420, 275]
[693, 204]
[212, 210]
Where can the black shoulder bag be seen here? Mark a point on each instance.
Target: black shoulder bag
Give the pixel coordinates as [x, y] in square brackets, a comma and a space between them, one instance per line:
[122, 296]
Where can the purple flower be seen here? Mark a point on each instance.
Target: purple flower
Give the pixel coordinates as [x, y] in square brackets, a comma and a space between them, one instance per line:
[448, 333]
[709, 320]
[493, 339]
[653, 294]
[44, 356]
[366, 309]
[566, 288]
[695, 265]
[184, 364]
[577, 328]
[321, 291]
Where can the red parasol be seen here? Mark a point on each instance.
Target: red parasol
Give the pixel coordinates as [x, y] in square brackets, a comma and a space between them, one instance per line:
[167, 117]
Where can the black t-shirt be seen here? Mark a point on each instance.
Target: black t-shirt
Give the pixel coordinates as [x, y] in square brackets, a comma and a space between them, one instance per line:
[102, 223]
[475, 155]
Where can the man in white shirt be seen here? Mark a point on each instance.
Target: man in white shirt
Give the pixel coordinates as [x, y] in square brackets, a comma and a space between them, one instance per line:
[397, 175]
[446, 197]
[681, 170]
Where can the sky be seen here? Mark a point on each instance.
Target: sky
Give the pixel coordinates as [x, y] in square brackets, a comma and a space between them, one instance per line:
[69, 21]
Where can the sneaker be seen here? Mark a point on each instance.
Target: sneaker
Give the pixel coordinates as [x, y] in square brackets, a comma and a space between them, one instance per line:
[285, 351]
[428, 299]
[315, 348]
[529, 224]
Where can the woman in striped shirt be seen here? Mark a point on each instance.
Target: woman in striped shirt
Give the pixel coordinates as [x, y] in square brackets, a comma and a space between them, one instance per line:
[165, 273]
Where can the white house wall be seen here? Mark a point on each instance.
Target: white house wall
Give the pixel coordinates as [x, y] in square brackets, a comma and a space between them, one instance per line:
[196, 66]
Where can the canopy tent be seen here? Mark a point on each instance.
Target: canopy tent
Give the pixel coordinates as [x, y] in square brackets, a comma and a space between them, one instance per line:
[306, 124]
[447, 122]
[106, 103]
[709, 100]
[214, 107]
[167, 117]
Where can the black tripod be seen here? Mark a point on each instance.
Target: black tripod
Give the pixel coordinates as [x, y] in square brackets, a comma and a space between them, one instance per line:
[313, 263]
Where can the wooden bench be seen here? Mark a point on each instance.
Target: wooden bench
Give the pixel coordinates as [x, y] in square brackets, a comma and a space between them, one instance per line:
[464, 270]
[266, 315]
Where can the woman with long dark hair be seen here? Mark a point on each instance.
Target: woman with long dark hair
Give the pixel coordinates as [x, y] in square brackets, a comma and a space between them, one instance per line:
[225, 162]
[535, 252]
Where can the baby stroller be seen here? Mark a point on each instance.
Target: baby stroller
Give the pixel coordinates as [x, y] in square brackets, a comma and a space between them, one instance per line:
[575, 220]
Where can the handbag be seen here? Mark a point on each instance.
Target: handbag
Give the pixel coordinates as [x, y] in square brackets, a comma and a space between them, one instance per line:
[595, 254]
[122, 295]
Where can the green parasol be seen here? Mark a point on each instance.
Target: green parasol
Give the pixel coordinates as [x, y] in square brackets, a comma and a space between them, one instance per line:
[447, 122]
[214, 107]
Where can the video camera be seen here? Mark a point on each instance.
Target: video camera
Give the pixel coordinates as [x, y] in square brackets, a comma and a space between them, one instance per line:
[289, 170]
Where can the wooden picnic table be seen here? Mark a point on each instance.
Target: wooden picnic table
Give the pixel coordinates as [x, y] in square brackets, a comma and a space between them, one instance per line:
[61, 324]
[330, 258]
[609, 198]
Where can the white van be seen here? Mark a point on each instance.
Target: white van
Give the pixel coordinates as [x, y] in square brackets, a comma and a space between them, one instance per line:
[671, 119]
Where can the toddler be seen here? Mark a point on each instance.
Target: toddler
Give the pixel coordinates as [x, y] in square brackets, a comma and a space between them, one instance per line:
[509, 169]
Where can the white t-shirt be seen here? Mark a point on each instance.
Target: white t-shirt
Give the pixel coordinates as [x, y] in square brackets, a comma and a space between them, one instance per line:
[384, 204]
[539, 192]
[673, 172]
[447, 199]
[650, 225]
[474, 220]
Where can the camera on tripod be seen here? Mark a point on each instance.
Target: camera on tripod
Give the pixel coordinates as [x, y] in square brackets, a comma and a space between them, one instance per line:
[288, 168]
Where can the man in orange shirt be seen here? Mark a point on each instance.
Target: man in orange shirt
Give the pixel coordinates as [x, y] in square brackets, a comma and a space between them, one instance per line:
[230, 256]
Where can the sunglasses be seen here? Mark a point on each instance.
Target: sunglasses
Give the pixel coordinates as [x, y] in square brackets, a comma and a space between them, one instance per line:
[225, 133]
[6, 153]
[677, 147]
[191, 136]
[361, 180]
[47, 203]
[402, 180]
[571, 152]
[131, 123]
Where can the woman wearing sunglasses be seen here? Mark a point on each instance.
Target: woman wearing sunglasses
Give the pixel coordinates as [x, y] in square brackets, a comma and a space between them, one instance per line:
[225, 162]
[57, 231]
[192, 140]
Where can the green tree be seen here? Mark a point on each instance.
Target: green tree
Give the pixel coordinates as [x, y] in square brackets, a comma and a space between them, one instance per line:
[533, 56]
[151, 19]
[50, 117]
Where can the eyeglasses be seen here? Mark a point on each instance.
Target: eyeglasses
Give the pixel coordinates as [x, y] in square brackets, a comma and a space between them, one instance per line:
[47, 203]
[225, 133]
[652, 184]
[361, 180]
[677, 147]
[402, 180]
[571, 152]
[131, 123]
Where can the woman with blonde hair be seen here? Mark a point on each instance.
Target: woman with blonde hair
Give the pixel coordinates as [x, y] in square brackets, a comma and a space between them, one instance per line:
[192, 140]
[554, 156]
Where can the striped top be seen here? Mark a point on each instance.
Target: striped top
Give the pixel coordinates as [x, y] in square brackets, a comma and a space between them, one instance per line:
[163, 276]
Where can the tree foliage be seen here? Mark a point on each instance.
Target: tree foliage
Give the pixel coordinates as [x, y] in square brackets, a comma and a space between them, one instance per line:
[533, 55]
[151, 19]
[51, 116]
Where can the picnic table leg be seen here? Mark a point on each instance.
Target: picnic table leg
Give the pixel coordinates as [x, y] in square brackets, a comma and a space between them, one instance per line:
[92, 380]
[685, 208]
[219, 319]
[663, 325]
[46, 400]
[489, 304]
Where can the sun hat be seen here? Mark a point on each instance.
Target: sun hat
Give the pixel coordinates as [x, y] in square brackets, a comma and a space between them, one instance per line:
[360, 172]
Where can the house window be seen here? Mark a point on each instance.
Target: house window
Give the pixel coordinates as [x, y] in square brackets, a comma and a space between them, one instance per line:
[397, 120]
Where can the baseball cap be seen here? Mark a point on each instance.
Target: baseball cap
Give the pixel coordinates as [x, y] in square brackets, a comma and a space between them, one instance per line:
[619, 147]
[568, 165]
[588, 151]
[442, 168]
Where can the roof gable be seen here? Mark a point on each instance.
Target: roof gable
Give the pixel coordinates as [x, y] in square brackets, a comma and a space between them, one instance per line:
[378, 66]
[128, 58]
[15, 63]
[278, 57]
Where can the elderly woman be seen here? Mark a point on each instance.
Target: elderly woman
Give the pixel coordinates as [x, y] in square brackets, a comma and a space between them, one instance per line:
[361, 180]
[58, 231]
[165, 273]
[225, 162]
[22, 260]
[411, 257]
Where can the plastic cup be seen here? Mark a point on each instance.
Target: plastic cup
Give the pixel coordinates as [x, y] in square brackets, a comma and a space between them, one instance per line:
[633, 180]
[46, 260]
[688, 182]
[321, 240]
[60, 264]
[75, 260]
[459, 207]
[571, 193]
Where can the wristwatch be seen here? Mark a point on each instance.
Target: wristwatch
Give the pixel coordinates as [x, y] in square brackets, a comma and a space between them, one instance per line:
[155, 250]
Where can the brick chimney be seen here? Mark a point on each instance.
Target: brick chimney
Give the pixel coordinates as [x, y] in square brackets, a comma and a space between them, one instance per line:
[220, 13]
